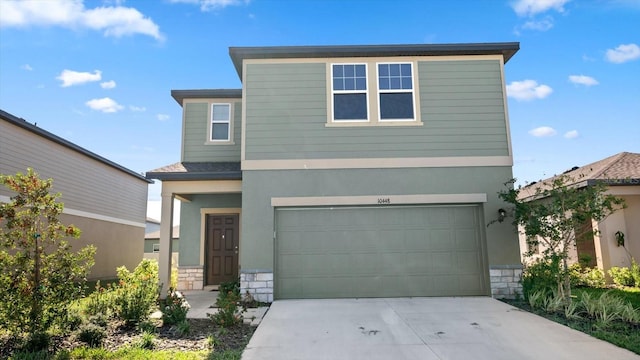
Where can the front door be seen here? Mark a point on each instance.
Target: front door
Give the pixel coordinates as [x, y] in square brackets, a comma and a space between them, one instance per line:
[222, 248]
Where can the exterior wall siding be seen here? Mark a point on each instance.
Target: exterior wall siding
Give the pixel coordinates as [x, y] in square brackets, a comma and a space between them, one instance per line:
[259, 186]
[190, 223]
[462, 110]
[196, 132]
[116, 244]
[85, 184]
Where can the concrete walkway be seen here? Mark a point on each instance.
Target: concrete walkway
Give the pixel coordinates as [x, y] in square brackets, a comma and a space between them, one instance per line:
[417, 328]
[201, 302]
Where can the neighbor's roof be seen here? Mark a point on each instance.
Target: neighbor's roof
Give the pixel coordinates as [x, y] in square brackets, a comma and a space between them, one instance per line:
[238, 54]
[197, 171]
[20, 122]
[619, 169]
[156, 234]
[180, 95]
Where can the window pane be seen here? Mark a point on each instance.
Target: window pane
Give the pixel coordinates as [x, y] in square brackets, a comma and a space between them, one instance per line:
[384, 83]
[220, 131]
[338, 84]
[349, 70]
[395, 83]
[220, 112]
[396, 106]
[405, 69]
[383, 70]
[406, 83]
[337, 71]
[361, 84]
[360, 71]
[350, 106]
[349, 84]
[394, 69]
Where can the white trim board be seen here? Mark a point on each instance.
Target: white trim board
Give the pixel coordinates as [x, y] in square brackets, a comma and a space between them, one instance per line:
[89, 215]
[377, 163]
[379, 200]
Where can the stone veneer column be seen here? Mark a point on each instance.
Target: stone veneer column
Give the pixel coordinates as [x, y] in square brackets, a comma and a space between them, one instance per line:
[505, 281]
[190, 277]
[258, 283]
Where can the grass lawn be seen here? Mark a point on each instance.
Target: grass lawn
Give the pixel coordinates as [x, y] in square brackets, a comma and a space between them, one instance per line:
[134, 354]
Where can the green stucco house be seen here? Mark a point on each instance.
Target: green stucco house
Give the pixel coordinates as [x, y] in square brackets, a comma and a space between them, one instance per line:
[347, 171]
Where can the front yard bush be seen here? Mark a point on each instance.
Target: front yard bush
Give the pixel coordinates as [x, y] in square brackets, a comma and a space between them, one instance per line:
[136, 292]
[541, 276]
[227, 302]
[175, 308]
[585, 276]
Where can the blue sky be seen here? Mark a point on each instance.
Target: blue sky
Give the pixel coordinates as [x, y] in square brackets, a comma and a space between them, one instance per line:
[99, 73]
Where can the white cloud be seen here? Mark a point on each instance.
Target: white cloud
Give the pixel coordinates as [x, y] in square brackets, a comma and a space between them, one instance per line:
[533, 7]
[543, 131]
[162, 117]
[542, 25]
[583, 80]
[209, 5]
[106, 105]
[70, 77]
[114, 21]
[528, 90]
[137, 108]
[26, 67]
[623, 53]
[571, 134]
[108, 84]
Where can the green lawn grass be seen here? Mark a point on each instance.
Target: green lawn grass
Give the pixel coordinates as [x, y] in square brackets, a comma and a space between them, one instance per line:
[131, 354]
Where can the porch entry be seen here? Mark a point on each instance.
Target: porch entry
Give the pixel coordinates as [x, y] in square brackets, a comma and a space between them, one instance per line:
[221, 260]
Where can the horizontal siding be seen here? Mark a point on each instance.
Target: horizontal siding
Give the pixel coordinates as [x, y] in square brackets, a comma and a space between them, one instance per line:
[462, 110]
[196, 134]
[85, 184]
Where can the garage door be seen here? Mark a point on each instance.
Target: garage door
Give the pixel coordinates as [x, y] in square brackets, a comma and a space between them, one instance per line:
[379, 252]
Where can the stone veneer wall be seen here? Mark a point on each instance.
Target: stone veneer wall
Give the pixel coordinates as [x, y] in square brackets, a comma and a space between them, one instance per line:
[258, 283]
[505, 281]
[190, 277]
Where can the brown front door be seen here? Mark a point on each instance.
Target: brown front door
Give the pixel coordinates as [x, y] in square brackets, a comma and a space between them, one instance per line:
[222, 248]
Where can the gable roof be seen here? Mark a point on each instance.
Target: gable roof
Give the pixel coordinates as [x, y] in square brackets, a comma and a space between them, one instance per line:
[197, 171]
[238, 54]
[620, 169]
[22, 123]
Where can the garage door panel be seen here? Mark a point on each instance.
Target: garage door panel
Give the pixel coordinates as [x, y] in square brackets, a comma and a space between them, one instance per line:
[383, 251]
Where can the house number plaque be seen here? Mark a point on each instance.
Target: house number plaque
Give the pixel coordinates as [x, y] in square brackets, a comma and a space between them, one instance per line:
[384, 201]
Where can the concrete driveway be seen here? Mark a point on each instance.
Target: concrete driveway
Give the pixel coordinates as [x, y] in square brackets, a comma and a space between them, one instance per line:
[417, 328]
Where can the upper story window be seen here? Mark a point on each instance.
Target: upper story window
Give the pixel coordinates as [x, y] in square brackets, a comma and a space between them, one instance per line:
[220, 122]
[349, 87]
[395, 89]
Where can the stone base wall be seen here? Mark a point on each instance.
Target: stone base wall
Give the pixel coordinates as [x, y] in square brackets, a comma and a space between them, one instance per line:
[190, 278]
[505, 281]
[258, 283]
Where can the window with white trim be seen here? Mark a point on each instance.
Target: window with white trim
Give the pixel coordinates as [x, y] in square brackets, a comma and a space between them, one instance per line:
[395, 92]
[220, 122]
[156, 248]
[349, 92]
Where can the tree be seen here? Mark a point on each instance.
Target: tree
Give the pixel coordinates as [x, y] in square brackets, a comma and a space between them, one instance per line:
[40, 274]
[555, 216]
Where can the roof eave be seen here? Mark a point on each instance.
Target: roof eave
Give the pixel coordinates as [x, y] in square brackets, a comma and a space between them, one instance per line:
[22, 123]
[184, 176]
[238, 54]
[180, 95]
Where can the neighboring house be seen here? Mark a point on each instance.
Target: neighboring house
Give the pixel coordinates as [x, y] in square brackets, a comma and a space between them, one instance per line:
[105, 200]
[621, 172]
[151, 225]
[152, 244]
[347, 171]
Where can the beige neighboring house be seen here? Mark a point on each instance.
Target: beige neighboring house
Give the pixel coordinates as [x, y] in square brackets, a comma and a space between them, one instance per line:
[621, 172]
[152, 242]
[105, 200]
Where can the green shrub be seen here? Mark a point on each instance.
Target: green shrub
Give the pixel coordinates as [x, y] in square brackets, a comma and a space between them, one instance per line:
[226, 287]
[585, 276]
[183, 327]
[137, 292]
[228, 313]
[175, 308]
[541, 275]
[635, 273]
[621, 276]
[146, 341]
[92, 334]
[100, 301]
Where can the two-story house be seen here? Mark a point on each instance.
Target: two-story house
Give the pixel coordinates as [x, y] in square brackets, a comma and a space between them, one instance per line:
[347, 171]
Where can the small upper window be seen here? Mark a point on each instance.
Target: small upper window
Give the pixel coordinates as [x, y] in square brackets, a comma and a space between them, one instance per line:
[156, 248]
[349, 92]
[220, 122]
[395, 88]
